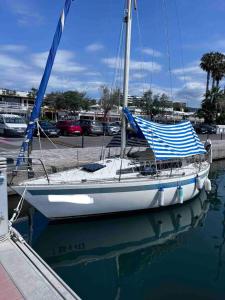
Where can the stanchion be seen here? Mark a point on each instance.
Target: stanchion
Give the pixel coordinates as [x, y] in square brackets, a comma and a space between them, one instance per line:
[82, 141]
[3, 198]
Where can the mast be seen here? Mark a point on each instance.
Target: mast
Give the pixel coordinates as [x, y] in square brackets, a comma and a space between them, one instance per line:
[127, 20]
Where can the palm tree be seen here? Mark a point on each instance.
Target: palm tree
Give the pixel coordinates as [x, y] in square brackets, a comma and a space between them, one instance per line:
[214, 64]
[218, 70]
[206, 65]
[212, 104]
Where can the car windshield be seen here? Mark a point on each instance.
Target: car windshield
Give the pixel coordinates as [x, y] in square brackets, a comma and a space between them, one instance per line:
[96, 123]
[76, 123]
[14, 120]
[47, 125]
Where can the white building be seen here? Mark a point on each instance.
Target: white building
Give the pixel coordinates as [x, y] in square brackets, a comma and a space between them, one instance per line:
[16, 102]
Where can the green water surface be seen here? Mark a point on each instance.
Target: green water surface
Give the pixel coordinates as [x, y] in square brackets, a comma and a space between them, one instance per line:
[174, 253]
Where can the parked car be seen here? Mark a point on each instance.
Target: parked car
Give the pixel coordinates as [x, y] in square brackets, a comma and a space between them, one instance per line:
[12, 125]
[49, 129]
[205, 129]
[91, 127]
[111, 128]
[68, 127]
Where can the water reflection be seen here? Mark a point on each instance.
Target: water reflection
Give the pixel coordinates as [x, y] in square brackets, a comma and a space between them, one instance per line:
[97, 239]
[106, 252]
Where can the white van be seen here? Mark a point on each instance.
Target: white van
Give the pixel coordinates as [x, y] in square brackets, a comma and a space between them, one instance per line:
[11, 125]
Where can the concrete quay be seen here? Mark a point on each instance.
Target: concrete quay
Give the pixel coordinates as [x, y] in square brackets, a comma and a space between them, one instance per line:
[23, 274]
[72, 157]
[218, 149]
[56, 160]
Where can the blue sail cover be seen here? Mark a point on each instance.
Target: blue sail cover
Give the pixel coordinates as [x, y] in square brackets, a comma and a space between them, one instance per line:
[168, 141]
[132, 122]
[44, 82]
[171, 141]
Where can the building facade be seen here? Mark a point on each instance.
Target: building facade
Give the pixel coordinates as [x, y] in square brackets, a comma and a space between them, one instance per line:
[15, 102]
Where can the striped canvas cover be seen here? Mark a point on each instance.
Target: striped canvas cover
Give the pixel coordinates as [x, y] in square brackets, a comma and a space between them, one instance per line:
[171, 141]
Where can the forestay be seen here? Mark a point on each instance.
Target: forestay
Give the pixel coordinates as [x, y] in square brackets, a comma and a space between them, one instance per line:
[43, 84]
[171, 141]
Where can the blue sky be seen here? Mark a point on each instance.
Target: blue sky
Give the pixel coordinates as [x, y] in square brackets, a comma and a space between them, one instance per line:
[87, 56]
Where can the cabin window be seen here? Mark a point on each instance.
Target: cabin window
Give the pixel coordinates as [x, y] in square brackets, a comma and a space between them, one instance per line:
[93, 167]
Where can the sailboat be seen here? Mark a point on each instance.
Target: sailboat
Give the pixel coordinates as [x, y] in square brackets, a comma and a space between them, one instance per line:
[119, 184]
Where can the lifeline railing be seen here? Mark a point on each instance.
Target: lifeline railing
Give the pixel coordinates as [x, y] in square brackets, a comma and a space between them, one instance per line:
[136, 167]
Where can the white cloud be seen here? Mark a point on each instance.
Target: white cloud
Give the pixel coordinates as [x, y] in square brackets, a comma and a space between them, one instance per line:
[64, 62]
[92, 74]
[135, 75]
[151, 52]
[191, 92]
[185, 78]
[89, 86]
[25, 73]
[134, 65]
[193, 87]
[9, 62]
[188, 70]
[12, 48]
[26, 13]
[94, 47]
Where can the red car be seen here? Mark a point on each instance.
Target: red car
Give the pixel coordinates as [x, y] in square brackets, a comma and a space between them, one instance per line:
[68, 127]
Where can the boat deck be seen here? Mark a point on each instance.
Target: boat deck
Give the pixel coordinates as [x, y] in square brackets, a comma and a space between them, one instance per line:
[23, 275]
[111, 173]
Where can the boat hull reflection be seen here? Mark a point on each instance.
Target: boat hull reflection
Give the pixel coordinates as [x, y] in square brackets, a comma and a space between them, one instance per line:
[98, 239]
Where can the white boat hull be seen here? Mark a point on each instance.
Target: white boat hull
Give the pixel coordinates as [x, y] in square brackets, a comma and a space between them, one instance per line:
[84, 199]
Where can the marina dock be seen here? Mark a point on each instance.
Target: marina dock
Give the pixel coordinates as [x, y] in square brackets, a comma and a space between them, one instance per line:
[23, 274]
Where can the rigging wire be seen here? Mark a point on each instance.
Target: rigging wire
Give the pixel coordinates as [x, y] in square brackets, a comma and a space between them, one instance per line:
[166, 24]
[140, 39]
[40, 145]
[181, 45]
[118, 63]
[118, 56]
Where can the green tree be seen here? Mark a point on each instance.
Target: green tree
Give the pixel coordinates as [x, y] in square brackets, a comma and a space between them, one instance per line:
[108, 99]
[70, 100]
[214, 64]
[147, 102]
[213, 104]
[164, 102]
[206, 65]
[218, 68]
[32, 93]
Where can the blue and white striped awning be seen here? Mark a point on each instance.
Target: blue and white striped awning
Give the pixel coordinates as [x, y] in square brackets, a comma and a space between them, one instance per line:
[171, 141]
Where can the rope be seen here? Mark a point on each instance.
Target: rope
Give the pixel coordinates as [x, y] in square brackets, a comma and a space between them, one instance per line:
[18, 209]
[42, 130]
[164, 9]
[4, 238]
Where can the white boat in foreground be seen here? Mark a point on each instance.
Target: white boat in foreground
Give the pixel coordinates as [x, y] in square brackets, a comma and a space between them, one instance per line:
[120, 184]
[80, 193]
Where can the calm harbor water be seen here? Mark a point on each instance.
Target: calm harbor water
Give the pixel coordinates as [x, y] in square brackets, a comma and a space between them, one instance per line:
[173, 253]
